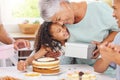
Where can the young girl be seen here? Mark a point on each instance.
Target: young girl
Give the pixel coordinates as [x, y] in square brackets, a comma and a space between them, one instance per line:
[49, 39]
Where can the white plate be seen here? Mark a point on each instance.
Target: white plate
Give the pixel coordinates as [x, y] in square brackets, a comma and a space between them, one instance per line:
[45, 74]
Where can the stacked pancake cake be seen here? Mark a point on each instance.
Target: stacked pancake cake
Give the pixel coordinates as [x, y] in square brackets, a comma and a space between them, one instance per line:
[46, 65]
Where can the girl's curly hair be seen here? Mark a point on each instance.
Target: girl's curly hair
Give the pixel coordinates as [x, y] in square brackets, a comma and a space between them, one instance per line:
[44, 38]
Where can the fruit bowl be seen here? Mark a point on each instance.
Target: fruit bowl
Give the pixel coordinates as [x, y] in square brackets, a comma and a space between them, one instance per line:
[28, 28]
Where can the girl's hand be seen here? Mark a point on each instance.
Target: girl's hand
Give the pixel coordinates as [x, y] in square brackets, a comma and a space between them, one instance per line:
[22, 65]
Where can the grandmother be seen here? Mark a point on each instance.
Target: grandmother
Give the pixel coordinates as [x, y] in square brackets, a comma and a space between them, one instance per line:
[88, 22]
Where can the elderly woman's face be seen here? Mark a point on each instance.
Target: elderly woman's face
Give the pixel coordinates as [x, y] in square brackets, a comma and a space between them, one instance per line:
[116, 13]
[64, 16]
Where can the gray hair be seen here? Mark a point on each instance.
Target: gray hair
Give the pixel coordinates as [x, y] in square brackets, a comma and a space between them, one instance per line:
[49, 7]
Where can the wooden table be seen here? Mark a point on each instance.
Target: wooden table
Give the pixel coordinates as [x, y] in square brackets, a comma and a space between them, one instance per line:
[22, 36]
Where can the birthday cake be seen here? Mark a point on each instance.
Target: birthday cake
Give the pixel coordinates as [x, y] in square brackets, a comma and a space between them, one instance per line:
[46, 65]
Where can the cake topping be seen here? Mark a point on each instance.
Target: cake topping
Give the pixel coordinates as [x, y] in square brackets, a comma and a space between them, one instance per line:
[47, 59]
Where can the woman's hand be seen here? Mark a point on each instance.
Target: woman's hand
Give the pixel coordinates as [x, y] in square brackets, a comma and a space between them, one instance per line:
[107, 52]
[114, 47]
[96, 52]
[110, 52]
[21, 43]
[22, 65]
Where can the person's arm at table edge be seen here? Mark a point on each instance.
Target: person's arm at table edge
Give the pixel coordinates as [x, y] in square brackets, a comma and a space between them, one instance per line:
[4, 37]
[110, 37]
[100, 65]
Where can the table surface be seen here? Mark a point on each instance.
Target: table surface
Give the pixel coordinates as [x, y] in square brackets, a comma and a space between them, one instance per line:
[22, 36]
[13, 72]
